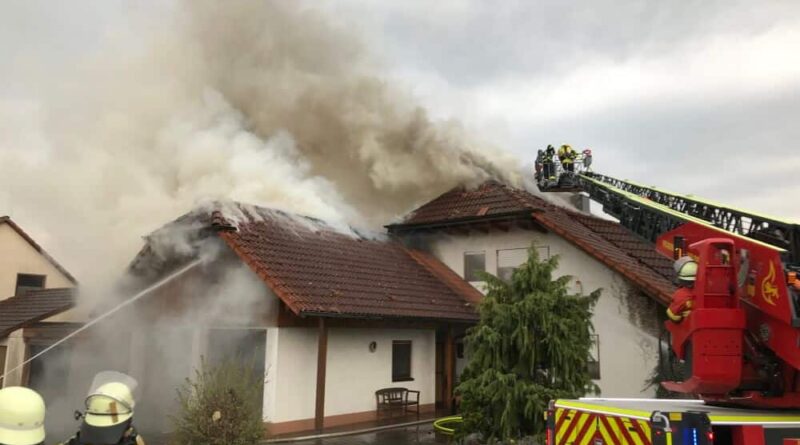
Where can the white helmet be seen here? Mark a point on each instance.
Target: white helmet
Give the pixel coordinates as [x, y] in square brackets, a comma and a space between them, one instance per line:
[109, 408]
[686, 268]
[110, 404]
[21, 416]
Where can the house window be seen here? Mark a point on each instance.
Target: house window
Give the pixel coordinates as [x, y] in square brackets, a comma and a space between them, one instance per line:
[3, 351]
[474, 264]
[594, 358]
[401, 361]
[28, 282]
[509, 259]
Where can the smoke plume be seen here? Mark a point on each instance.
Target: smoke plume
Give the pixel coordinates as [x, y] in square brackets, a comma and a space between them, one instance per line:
[260, 102]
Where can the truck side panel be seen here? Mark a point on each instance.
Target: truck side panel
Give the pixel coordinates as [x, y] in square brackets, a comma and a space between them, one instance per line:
[575, 427]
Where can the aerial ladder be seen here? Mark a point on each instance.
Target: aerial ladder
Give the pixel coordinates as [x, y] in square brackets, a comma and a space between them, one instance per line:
[739, 345]
[635, 206]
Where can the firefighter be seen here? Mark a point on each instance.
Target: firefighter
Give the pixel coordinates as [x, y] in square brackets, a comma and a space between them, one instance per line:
[539, 165]
[567, 157]
[21, 416]
[683, 298]
[587, 159]
[109, 413]
[549, 166]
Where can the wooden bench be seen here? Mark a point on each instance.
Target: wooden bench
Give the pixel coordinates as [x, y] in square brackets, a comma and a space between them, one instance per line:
[391, 400]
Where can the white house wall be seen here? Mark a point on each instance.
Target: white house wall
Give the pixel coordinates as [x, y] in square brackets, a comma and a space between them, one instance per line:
[353, 372]
[296, 374]
[627, 354]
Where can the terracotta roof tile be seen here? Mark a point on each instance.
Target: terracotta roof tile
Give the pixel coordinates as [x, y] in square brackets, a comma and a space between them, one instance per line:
[25, 310]
[607, 241]
[489, 199]
[318, 270]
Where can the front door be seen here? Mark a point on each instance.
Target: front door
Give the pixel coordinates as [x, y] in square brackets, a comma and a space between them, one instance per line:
[440, 386]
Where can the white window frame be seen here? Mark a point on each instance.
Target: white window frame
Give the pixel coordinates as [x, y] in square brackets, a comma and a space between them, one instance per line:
[464, 260]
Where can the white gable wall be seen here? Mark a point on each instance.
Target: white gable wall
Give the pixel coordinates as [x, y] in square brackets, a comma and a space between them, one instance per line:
[627, 354]
[18, 256]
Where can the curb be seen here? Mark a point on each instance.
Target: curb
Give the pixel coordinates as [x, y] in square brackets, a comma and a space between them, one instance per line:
[347, 433]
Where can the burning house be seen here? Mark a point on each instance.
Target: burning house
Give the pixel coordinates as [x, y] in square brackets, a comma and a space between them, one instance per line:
[328, 315]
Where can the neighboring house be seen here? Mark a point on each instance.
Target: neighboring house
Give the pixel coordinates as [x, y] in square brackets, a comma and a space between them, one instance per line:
[331, 316]
[491, 227]
[35, 300]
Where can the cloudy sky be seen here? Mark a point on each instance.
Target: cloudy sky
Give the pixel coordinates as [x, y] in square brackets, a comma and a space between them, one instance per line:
[697, 96]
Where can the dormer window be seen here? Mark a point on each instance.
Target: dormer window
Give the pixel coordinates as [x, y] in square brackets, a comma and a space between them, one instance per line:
[29, 282]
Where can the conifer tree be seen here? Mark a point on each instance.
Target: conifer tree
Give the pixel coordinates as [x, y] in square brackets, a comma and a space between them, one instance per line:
[530, 346]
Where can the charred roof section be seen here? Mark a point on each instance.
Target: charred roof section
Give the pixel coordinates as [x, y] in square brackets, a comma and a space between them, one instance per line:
[317, 269]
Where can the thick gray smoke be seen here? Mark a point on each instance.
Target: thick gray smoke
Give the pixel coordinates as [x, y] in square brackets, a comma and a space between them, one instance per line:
[261, 102]
[220, 308]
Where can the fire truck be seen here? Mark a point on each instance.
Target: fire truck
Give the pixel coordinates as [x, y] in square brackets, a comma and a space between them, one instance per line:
[739, 345]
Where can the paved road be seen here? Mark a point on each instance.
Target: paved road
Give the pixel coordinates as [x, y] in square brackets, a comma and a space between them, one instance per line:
[417, 435]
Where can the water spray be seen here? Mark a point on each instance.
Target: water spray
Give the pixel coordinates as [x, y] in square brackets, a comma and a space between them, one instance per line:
[110, 312]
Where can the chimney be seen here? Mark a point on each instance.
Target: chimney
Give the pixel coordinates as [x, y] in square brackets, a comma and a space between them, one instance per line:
[581, 202]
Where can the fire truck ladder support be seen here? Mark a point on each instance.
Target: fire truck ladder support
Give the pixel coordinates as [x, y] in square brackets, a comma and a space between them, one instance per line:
[649, 212]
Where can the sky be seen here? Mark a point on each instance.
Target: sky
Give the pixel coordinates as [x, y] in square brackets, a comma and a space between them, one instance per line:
[697, 97]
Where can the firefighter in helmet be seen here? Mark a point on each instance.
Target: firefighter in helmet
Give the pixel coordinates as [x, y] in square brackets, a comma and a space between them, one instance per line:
[683, 298]
[21, 416]
[587, 159]
[549, 167]
[108, 418]
[539, 165]
[567, 157]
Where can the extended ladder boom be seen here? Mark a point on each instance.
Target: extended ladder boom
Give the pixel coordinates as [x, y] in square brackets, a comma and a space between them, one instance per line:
[633, 205]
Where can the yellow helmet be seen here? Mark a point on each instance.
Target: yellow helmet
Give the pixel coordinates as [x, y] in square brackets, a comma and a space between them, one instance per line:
[110, 404]
[686, 268]
[21, 416]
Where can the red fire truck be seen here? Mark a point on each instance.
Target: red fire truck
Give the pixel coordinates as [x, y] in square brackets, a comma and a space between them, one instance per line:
[739, 343]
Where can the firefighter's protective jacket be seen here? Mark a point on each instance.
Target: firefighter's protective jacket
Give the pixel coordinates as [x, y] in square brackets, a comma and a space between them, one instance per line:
[566, 154]
[131, 437]
[681, 306]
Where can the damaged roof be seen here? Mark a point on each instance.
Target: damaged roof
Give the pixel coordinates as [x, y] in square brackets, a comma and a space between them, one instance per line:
[319, 270]
[37, 247]
[32, 307]
[607, 241]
